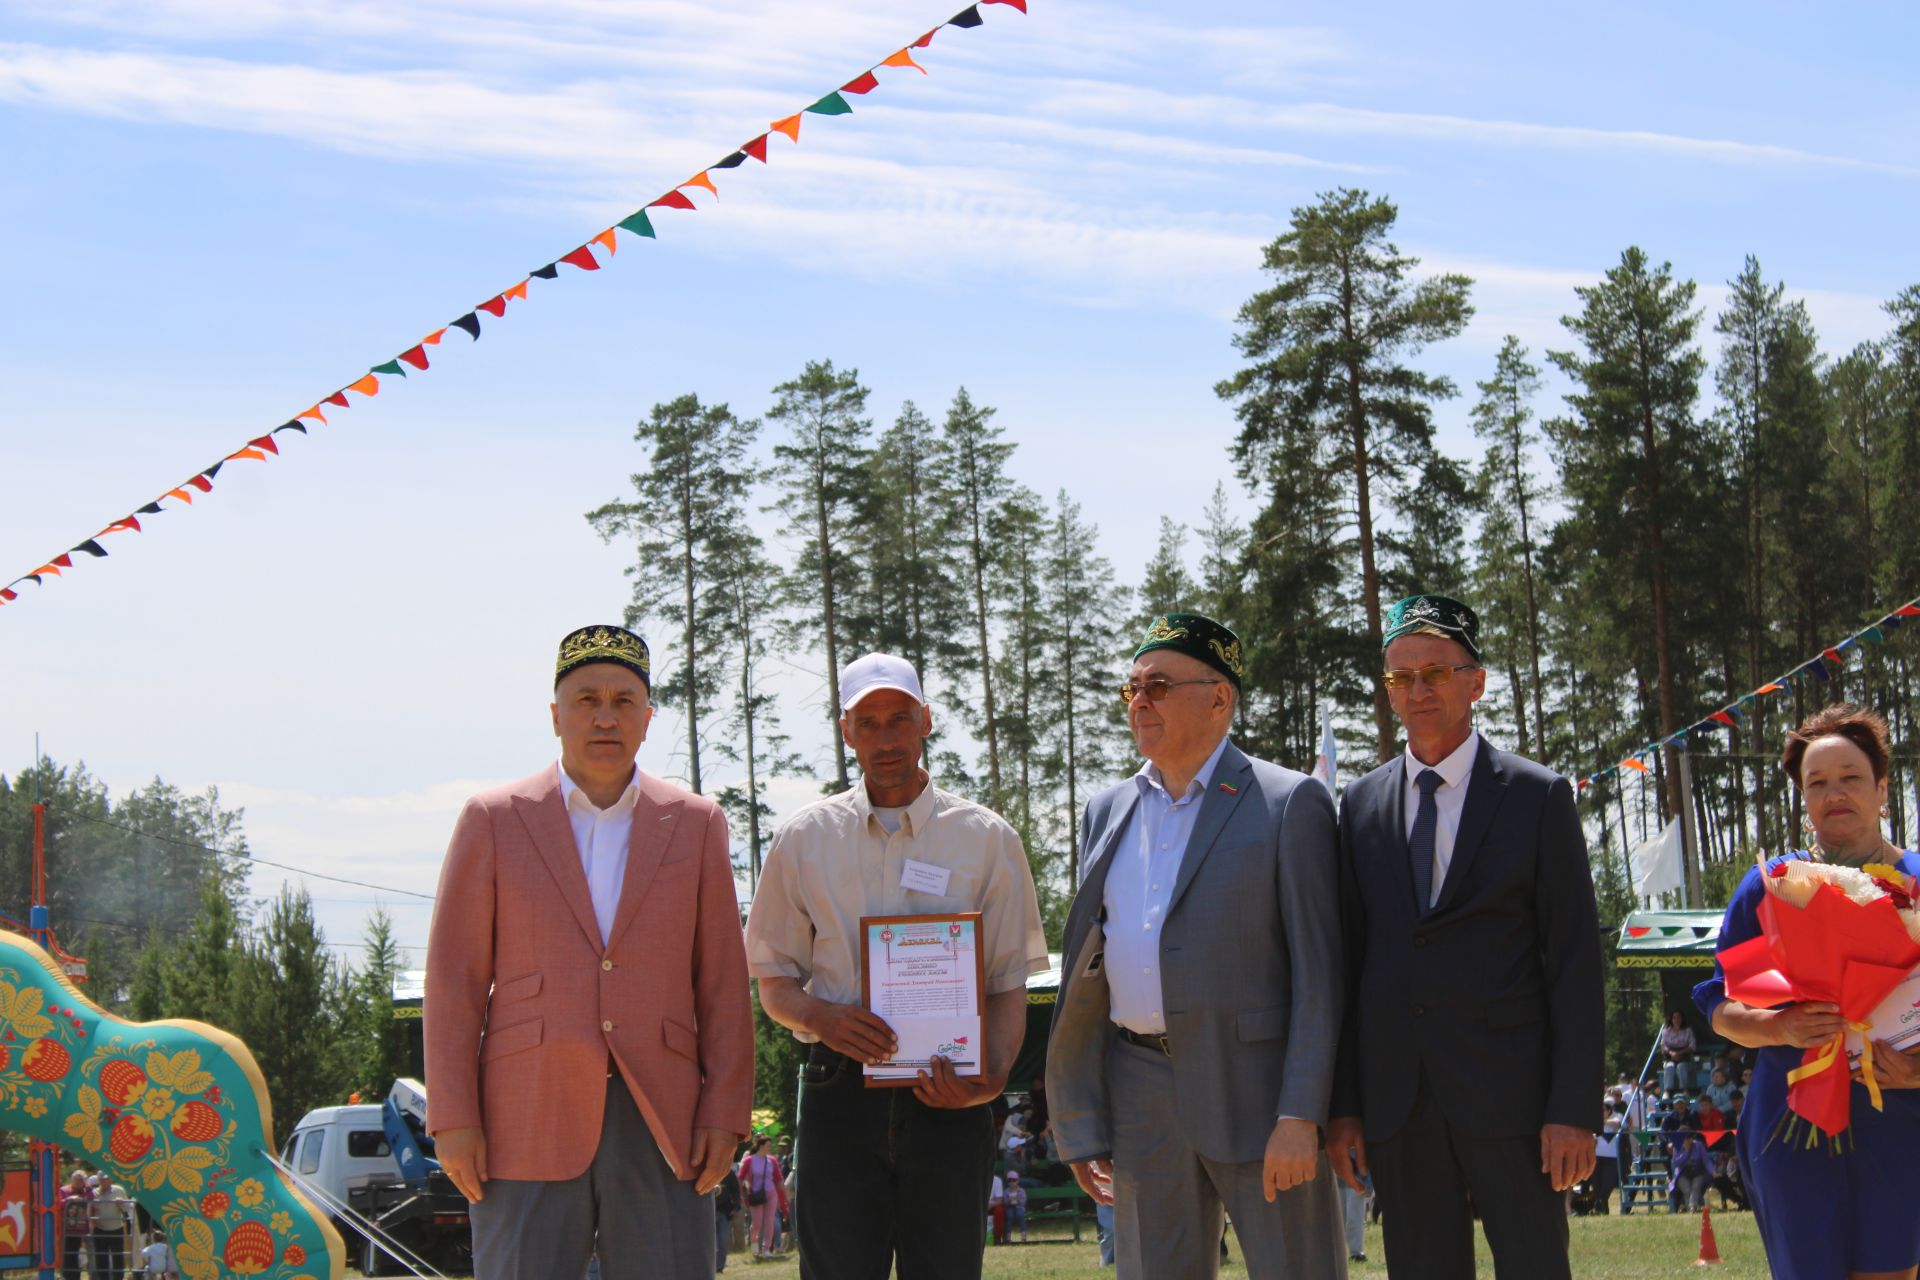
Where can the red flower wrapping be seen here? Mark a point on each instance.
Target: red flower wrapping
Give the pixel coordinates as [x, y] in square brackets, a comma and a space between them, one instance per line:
[1836, 950]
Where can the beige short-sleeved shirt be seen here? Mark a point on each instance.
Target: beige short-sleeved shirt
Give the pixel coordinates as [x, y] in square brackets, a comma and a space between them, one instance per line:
[833, 862]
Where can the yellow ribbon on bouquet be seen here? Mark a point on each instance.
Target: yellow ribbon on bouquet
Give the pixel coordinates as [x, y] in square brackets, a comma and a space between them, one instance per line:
[1833, 1053]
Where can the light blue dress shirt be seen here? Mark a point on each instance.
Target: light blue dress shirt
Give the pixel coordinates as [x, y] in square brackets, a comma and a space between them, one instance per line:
[1146, 862]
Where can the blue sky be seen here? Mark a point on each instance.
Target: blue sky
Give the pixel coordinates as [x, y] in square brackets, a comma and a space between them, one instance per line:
[216, 212]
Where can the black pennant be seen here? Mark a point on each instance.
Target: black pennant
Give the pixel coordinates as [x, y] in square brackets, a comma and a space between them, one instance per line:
[471, 323]
[92, 548]
[151, 509]
[214, 470]
[549, 272]
[733, 161]
[967, 17]
[292, 424]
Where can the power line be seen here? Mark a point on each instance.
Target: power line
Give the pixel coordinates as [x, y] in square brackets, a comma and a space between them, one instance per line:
[265, 862]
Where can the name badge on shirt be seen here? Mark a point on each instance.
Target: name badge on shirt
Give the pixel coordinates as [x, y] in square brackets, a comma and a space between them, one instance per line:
[924, 877]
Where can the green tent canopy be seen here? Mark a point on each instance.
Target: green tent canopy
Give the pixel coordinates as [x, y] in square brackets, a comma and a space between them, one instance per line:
[1668, 940]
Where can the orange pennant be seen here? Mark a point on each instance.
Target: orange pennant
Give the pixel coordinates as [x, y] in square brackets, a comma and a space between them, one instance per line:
[1638, 766]
[45, 568]
[790, 126]
[311, 413]
[367, 386]
[181, 494]
[702, 179]
[433, 339]
[248, 452]
[605, 238]
[904, 58]
[518, 291]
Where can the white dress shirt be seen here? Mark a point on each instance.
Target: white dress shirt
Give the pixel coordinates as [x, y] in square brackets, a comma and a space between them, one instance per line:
[602, 836]
[1456, 771]
[1139, 889]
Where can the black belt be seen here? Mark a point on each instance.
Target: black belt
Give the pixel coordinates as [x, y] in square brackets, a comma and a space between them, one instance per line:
[1145, 1041]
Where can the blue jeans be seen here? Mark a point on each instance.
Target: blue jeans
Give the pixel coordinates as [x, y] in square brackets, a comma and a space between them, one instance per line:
[1103, 1224]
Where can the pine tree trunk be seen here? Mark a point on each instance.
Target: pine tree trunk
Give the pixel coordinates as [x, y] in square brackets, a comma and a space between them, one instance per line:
[1369, 572]
[1533, 608]
[824, 532]
[693, 695]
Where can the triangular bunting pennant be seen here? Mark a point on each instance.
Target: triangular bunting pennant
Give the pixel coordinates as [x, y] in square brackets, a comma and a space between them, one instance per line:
[1818, 669]
[204, 482]
[339, 397]
[904, 58]
[1770, 686]
[9, 594]
[831, 105]
[1833, 656]
[1638, 766]
[1638, 931]
[1908, 610]
[789, 126]
[247, 453]
[927, 39]
[607, 239]
[181, 494]
[367, 386]
[391, 366]
[672, 200]
[43, 570]
[967, 17]
[470, 323]
[867, 82]
[639, 223]
[758, 147]
[582, 258]
[518, 291]
[151, 509]
[125, 522]
[495, 306]
[1701, 930]
[312, 413]
[92, 548]
[212, 471]
[292, 425]
[416, 356]
[1021, 5]
[433, 339]
[549, 272]
[1873, 635]
[733, 161]
[701, 180]
[265, 443]
[1722, 717]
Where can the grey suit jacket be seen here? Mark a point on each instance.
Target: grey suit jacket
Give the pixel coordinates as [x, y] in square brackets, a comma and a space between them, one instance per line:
[1251, 966]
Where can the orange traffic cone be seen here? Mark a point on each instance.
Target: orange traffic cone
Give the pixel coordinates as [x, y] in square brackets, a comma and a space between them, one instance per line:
[1709, 1247]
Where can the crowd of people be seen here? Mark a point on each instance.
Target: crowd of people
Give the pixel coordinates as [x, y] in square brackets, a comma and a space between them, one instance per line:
[106, 1235]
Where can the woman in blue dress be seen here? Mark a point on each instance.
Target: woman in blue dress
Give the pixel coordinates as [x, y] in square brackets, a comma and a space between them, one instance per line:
[1844, 1210]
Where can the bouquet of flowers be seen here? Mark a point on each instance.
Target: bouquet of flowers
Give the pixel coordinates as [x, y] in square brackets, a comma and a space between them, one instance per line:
[1844, 935]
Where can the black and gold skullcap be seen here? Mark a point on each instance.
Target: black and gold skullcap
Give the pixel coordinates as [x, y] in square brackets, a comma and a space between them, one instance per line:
[1197, 637]
[603, 644]
[1434, 615]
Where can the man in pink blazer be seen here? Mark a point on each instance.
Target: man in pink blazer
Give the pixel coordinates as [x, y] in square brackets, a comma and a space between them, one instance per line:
[589, 1034]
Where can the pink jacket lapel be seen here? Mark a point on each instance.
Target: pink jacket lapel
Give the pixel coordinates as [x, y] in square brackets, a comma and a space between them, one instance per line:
[544, 814]
[655, 816]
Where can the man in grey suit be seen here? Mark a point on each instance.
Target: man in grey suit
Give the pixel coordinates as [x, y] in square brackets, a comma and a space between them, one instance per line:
[1192, 1052]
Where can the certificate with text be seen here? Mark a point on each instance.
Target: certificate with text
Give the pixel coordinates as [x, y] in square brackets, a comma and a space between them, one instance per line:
[924, 977]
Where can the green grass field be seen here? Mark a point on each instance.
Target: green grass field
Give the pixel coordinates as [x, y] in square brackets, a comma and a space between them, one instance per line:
[1615, 1248]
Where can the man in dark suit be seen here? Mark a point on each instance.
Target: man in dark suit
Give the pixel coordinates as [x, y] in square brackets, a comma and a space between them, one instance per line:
[1191, 1057]
[1473, 957]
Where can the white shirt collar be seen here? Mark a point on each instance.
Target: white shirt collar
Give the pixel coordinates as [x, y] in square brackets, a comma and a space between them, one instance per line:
[569, 789]
[1149, 775]
[1455, 769]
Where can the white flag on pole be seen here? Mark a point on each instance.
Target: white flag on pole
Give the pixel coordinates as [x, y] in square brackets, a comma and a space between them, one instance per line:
[1327, 766]
[1656, 864]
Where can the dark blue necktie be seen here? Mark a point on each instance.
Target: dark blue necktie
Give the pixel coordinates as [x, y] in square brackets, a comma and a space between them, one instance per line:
[1426, 820]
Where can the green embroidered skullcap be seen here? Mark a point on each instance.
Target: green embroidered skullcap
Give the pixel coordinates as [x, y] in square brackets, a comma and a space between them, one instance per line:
[604, 644]
[1433, 615]
[1197, 637]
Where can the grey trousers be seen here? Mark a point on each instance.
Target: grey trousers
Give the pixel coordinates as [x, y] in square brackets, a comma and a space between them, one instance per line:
[627, 1208]
[1171, 1202]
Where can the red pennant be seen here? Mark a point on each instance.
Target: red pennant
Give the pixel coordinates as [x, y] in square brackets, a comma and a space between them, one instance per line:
[128, 523]
[867, 83]
[583, 258]
[416, 357]
[495, 306]
[265, 442]
[1021, 5]
[672, 200]
[757, 148]
[64, 560]
[8, 594]
[1638, 930]
[201, 483]
[338, 397]
[1907, 611]
[1723, 718]
[923, 41]
[1833, 656]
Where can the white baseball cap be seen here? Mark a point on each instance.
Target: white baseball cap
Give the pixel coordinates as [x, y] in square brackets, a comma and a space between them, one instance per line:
[878, 671]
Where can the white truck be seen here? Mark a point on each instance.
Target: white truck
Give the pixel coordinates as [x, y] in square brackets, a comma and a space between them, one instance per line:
[378, 1159]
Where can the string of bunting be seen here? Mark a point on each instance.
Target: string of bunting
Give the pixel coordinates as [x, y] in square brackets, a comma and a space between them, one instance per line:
[639, 223]
[1820, 667]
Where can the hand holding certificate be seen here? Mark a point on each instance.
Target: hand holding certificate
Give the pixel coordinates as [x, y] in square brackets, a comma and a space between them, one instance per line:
[925, 977]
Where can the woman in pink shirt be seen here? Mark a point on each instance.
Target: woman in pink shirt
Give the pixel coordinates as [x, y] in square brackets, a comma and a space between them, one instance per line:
[765, 1192]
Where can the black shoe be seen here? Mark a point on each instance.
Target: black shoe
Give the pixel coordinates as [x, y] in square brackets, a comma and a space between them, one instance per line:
[1356, 1257]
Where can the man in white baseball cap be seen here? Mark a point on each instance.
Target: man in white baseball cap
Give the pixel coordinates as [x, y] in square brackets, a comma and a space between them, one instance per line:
[890, 1178]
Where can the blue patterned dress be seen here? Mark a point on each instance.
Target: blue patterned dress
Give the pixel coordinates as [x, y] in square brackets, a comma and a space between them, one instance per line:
[1822, 1214]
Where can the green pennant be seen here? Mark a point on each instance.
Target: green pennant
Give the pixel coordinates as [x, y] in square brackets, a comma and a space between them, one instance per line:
[1874, 635]
[391, 366]
[831, 105]
[637, 222]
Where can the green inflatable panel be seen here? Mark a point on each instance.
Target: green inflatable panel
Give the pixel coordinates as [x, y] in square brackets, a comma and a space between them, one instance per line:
[175, 1112]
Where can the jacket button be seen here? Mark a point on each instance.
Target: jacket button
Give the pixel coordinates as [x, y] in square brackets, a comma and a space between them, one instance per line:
[608, 1025]
[608, 964]
[1419, 1011]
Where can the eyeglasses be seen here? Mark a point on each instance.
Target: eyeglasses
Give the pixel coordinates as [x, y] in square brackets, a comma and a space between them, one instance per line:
[1433, 677]
[1155, 687]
